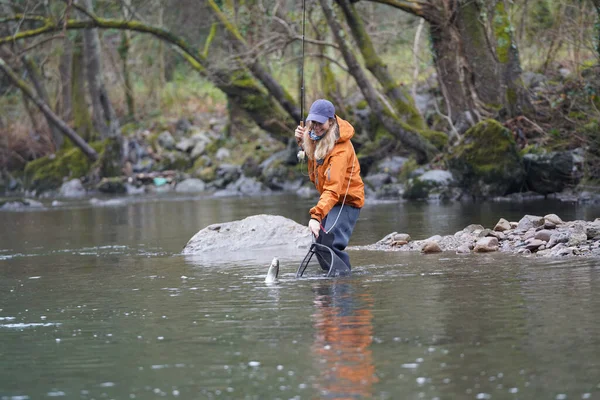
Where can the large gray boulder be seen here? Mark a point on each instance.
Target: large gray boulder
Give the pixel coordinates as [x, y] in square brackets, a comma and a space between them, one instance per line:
[250, 238]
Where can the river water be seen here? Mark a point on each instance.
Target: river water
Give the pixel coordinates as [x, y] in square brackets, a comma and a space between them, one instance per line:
[96, 302]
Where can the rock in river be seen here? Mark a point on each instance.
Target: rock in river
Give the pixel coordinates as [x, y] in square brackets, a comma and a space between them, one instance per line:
[271, 235]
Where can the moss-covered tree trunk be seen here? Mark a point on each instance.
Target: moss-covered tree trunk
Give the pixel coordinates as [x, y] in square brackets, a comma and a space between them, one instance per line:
[408, 135]
[82, 119]
[35, 77]
[491, 71]
[252, 63]
[124, 55]
[238, 84]
[28, 92]
[65, 68]
[475, 56]
[597, 25]
[104, 117]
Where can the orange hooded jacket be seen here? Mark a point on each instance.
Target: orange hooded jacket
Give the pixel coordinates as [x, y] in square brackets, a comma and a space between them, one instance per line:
[332, 178]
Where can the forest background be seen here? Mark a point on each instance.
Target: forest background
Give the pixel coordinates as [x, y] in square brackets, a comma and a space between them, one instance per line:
[502, 94]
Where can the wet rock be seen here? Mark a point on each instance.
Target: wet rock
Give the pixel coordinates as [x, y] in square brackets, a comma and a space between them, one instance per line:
[544, 235]
[111, 186]
[378, 180]
[498, 235]
[437, 177]
[72, 189]
[556, 238]
[257, 233]
[20, 204]
[401, 236]
[222, 154]
[530, 221]
[577, 238]
[549, 225]
[166, 141]
[592, 230]
[198, 150]
[185, 145]
[502, 225]
[487, 162]
[191, 185]
[463, 249]
[391, 165]
[486, 245]
[430, 247]
[549, 173]
[248, 187]
[533, 244]
[182, 126]
[555, 219]
[473, 228]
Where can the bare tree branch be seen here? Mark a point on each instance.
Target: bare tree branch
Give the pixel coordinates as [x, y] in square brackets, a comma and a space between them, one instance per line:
[44, 108]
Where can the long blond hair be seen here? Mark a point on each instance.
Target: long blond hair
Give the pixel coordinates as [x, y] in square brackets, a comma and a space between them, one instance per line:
[318, 150]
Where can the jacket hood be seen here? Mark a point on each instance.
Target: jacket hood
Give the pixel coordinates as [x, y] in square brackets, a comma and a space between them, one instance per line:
[346, 130]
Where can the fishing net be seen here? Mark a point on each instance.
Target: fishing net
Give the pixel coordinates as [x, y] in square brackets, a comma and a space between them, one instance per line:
[328, 260]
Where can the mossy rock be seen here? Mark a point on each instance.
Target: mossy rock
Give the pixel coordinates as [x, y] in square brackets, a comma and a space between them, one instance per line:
[417, 189]
[436, 138]
[487, 161]
[173, 160]
[207, 174]
[113, 185]
[48, 173]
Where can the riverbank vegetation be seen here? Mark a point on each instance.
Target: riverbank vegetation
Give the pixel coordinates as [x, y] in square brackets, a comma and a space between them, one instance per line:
[500, 96]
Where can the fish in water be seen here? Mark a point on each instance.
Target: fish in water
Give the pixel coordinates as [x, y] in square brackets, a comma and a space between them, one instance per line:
[273, 271]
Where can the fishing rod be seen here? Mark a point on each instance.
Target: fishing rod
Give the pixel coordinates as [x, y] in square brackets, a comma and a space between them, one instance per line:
[301, 153]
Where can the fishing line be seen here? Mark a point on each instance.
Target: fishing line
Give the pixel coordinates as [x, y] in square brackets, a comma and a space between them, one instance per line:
[347, 189]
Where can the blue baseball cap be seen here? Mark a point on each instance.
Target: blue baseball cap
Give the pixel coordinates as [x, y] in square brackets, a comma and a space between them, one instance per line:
[320, 111]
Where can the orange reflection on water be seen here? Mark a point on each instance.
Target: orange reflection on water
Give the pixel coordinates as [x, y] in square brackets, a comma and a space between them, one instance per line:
[343, 336]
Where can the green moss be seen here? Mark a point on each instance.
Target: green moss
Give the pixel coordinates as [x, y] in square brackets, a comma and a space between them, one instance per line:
[503, 33]
[129, 128]
[407, 169]
[416, 189]
[361, 105]
[381, 139]
[408, 110]
[109, 159]
[437, 138]
[487, 161]
[207, 174]
[48, 172]
[173, 160]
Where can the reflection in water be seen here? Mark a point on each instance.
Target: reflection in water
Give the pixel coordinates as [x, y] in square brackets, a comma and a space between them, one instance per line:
[344, 331]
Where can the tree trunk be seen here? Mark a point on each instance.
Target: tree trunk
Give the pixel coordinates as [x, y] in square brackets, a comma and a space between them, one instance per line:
[124, 54]
[105, 120]
[475, 56]
[403, 102]
[45, 109]
[408, 135]
[596, 4]
[82, 120]
[36, 78]
[274, 88]
[65, 68]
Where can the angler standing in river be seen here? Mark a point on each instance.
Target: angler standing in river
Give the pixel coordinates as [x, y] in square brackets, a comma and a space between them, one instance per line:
[334, 169]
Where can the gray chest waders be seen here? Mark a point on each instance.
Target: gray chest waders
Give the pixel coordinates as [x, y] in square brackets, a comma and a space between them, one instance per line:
[326, 257]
